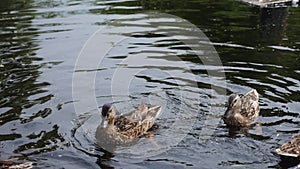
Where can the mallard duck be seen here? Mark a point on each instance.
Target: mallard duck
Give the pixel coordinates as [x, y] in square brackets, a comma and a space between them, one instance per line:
[242, 111]
[12, 164]
[123, 127]
[290, 148]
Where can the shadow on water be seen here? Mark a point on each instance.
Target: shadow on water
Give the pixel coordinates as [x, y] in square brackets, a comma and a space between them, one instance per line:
[103, 160]
[288, 162]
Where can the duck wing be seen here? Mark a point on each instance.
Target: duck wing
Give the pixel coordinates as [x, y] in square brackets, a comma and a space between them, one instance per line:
[130, 120]
[123, 123]
[290, 148]
[250, 105]
[134, 129]
[137, 115]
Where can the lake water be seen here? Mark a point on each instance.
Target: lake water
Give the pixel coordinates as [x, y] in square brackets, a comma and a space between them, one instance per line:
[55, 74]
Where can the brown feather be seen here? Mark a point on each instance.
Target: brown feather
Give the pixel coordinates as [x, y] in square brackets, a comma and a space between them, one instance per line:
[290, 148]
[243, 110]
[130, 125]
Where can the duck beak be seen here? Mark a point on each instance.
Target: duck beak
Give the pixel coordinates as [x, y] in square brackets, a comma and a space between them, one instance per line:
[227, 113]
[104, 122]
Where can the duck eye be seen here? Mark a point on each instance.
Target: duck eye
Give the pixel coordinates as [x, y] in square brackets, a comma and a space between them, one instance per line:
[234, 101]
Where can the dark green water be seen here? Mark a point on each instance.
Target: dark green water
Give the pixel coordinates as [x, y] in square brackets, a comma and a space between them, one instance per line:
[40, 42]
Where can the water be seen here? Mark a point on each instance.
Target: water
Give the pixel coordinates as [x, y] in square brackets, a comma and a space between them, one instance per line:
[40, 44]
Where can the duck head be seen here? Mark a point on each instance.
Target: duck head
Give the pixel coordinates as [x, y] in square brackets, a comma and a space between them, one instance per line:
[234, 105]
[108, 114]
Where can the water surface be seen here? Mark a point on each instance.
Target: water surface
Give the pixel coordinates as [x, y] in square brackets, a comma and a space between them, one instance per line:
[40, 43]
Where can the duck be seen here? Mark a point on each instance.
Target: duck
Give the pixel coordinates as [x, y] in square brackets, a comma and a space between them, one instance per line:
[120, 128]
[290, 148]
[13, 164]
[242, 111]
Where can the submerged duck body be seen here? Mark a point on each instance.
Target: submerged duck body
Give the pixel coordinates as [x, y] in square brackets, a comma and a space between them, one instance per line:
[121, 128]
[242, 111]
[290, 148]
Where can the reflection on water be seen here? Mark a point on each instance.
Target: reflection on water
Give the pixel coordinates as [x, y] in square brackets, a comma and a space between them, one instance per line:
[40, 42]
[273, 23]
[22, 95]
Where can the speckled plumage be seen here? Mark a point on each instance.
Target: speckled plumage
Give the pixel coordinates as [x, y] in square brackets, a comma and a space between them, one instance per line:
[242, 111]
[290, 148]
[121, 128]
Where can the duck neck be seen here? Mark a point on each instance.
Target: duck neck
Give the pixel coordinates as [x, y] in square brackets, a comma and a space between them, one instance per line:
[111, 120]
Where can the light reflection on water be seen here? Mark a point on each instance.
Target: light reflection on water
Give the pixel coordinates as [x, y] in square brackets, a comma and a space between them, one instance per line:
[40, 42]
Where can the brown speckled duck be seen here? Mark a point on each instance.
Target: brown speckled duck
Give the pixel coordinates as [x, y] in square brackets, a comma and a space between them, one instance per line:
[12, 163]
[242, 111]
[290, 148]
[121, 128]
